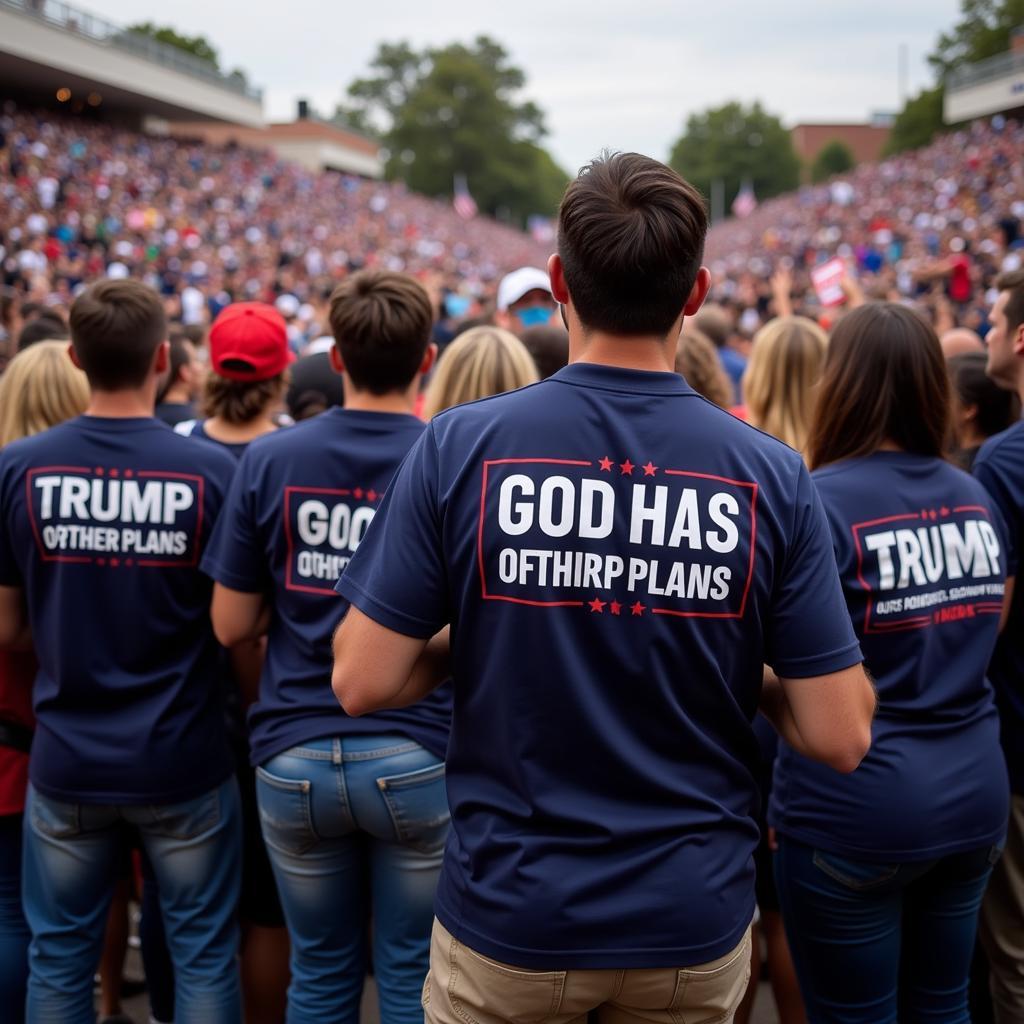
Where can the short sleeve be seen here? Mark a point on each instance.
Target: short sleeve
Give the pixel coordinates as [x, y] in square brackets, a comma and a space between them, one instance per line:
[809, 632]
[997, 484]
[10, 571]
[235, 555]
[397, 575]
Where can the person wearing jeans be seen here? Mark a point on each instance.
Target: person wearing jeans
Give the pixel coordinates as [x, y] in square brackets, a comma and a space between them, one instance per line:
[881, 873]
[353, 811]
[336, 812]
[71, 852]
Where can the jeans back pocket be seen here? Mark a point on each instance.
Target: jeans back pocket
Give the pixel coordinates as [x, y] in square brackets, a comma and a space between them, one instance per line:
[418, 804]
[187, 819]
[55, 818]
[859, 875]
[285, 814]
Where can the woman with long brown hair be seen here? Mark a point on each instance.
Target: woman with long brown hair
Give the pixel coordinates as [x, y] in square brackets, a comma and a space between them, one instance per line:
[881, 872]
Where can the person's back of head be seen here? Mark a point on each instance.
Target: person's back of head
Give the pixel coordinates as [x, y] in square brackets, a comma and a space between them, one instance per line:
[990, 408]
[698, 363]
[117, 326]
[40, 388]
[779, 382]
[381, 322]
[630, 238]
[549, 346]
[42, 328]
[715, 323]
[482, 362]
[959, 341]
[885, 382]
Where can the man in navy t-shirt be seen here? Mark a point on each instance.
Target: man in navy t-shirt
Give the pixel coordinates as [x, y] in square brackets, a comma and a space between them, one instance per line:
[1000, 468]
[103, 521]
[617, 559]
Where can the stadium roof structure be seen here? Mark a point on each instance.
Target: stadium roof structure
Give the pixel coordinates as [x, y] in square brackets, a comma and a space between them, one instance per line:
[992, 86]
[52, 49]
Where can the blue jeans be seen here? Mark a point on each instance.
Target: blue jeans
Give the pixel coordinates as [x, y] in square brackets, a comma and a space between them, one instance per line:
[71, 857]
[350, 820]
[874, 943]
[13, 929]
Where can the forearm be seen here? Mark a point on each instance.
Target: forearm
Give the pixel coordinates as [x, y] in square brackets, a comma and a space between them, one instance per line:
[432, 668]
[776, 708]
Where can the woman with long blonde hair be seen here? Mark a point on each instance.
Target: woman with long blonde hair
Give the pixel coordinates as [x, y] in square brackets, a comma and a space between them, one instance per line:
[779, 384]
[39, 389]
[483, 361]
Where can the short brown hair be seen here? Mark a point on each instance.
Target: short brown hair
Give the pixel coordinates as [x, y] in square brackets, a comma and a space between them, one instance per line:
[240, 401]
[381, 322]
[1013, 282]
[884, 380]
[116, 327]
[631, 238]
[698, 363]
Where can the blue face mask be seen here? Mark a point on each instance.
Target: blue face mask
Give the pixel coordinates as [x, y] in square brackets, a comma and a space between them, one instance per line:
[533, 316]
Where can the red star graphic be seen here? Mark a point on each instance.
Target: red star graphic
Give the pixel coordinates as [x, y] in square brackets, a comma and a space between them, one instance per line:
[372, 495]
[597, 605]
[944, 511]
[626, 467]
[932, 514]
[358, 492]
[638, 608]
[616, 607]
[605, 464]
[650, 469]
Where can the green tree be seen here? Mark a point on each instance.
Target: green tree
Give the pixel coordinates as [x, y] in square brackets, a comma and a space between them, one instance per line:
[984, 30]
[833, 158]
[456, 110]
[917, 123]
[735, 144]
[198, 46]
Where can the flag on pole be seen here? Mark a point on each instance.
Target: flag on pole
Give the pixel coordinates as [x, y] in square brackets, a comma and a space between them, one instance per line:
[745, 202]
[463, 202]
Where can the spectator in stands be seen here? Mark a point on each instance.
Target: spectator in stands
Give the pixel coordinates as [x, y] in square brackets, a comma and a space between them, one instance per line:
[715, 324]
[482, 361]
[697, 360]
[176, 399]
[524, 300]
[1000, 467]
[40, 389]
[980, 407]
[780, 379]
[42, 328]
[353, 810]
[495, 514]
[549, 346]
[129, 724]
[881, 872]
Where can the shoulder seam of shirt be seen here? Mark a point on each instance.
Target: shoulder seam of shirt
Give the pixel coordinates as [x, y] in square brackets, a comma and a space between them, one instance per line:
[996, 442]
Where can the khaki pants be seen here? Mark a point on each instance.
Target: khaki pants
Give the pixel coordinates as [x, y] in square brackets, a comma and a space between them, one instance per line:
[464, 987]
[1001, 926]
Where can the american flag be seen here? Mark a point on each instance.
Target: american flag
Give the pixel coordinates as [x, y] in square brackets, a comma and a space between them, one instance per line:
[463, 202]
[745, 202]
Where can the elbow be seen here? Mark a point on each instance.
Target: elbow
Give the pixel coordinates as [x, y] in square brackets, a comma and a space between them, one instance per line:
[847, 758]
[348, 695]
[227, 633]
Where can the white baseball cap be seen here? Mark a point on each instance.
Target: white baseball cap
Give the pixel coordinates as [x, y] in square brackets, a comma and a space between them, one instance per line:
[515, 285]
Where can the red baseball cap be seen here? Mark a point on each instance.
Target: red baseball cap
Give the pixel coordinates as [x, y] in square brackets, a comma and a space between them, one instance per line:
[249, 342]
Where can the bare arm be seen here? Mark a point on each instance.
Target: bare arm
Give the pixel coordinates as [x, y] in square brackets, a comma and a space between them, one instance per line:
[14, 628]
[237, 615]
[826, 718]
[377, 668]
[1004, 616]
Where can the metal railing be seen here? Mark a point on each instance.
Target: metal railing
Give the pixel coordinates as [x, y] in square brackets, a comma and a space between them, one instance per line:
[98, 30]
[986, 70]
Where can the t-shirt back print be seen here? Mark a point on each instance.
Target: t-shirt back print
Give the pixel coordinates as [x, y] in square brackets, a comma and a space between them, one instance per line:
[113, 517]
[616, 535]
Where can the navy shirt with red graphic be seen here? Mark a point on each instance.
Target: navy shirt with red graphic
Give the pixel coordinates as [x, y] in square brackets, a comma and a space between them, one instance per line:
[618, 558]
[298, 508]
[922, 553]
[103, 523]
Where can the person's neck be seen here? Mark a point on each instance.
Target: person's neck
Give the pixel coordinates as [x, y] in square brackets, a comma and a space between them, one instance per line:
[239, 433]
[394, 401]
[177, 395]
[121, 404]
[650, 353]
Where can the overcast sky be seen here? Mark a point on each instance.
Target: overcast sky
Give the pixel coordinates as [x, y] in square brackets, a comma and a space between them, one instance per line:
[621, 75]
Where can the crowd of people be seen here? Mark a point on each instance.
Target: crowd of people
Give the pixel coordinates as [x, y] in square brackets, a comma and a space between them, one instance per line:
[628, 697]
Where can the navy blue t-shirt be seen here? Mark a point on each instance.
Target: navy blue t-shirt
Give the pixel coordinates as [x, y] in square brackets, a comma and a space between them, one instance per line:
[103, 523]
[617, 558]
[196, 428]
[922, 555]
[299, 506]
[1000, 468]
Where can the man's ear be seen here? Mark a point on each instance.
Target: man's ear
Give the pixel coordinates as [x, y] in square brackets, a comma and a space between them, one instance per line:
[1018, 341]
[699, 292]
[429, 358]
[556, 272]
[73, 356]
[337, 365]
[162, 357]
